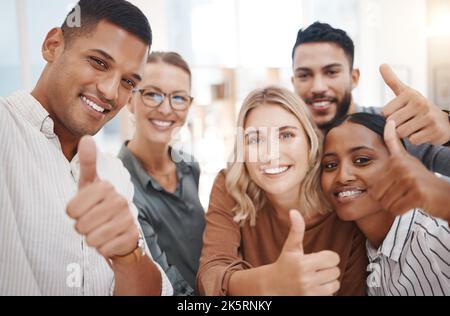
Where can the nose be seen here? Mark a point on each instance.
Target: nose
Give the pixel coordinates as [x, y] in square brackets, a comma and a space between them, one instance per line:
[345, 174]
[109, 87]
[319, 85]
[270, 151]
[165, 107]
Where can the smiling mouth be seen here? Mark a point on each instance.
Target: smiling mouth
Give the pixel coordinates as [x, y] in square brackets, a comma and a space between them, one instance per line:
[349, 195]
[94, 105]
[275, 171]
[321, 105]
[162, 124]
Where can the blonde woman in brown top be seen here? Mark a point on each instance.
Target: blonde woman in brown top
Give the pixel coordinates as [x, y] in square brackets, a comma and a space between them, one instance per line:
[255, 242]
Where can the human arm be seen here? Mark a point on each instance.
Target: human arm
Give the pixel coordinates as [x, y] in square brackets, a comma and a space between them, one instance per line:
[180, 286]
[104, 217]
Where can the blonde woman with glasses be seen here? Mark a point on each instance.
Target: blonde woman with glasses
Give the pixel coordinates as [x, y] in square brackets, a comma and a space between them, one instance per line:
[268, 229]
[166, 180]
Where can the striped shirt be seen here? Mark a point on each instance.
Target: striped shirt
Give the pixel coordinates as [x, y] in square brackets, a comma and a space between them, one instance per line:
[414, 258]
[41, 253]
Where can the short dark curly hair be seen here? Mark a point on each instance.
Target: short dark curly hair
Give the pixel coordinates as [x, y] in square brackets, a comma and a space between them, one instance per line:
[324, 33]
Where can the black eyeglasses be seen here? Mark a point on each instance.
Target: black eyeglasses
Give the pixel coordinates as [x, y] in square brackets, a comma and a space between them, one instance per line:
[153, 98]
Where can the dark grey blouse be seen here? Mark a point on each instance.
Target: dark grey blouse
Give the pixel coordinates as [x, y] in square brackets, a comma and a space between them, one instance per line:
[173, 223]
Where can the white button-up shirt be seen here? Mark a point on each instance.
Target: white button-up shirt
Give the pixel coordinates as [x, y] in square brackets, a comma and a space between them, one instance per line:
[40, 251]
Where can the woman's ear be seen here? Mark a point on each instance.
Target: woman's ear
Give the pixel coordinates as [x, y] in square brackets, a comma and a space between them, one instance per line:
[53, 45]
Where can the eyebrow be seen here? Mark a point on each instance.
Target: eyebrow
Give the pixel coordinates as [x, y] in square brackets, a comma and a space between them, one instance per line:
[104, 54]
[352, 150]
[306, 69]
[288, 127]
[111, 59]
[332, 66]
[256, 131]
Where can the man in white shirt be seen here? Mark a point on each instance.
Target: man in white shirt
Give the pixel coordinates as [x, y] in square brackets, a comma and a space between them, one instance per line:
[67, 222]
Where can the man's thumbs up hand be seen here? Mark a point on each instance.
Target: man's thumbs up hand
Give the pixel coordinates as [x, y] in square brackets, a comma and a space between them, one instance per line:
[415, 117]
[102, 215]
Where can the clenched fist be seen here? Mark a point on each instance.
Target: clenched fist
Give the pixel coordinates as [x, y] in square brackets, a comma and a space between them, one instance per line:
[305, 274]
[102, 215]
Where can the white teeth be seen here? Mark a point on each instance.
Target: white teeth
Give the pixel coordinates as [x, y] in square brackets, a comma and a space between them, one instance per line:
[93, 105]
[276, 170]
[349, 193]
[321, 104]
[162, 123]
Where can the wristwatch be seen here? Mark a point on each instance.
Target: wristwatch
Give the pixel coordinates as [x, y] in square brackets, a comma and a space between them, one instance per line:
[133, 257]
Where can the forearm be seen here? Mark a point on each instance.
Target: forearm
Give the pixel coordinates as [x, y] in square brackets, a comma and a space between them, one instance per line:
[140, 278]
[254, 281]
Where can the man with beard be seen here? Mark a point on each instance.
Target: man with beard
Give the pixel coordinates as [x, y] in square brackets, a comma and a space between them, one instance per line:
[324, 78]
[67, 222]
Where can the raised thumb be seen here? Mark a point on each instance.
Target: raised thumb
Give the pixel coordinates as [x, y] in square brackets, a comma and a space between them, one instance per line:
[392, 140]
[392, 80]
[87, 153]
[294, 241]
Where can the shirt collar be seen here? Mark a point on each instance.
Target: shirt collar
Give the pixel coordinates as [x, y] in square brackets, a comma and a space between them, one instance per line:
[135, 168]
[396, 238]
[32, 111]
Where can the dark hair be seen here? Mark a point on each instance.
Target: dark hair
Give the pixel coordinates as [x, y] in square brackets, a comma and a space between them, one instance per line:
[170, 58]
[118, 12]
[376, 123]
[324, 33]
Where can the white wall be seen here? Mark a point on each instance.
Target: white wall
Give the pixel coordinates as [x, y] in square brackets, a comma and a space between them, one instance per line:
[156, 13]
[392, 32]
[439, 50]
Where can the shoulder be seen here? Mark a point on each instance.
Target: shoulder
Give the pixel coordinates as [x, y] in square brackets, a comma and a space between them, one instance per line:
[181, 156]
[178, 156]
[435, 158]
[429, 225]
[220, 197]
[5, 112]
[219, 181]
[369, 109]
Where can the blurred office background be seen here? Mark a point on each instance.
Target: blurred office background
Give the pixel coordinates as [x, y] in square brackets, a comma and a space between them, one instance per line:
[234, 46]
